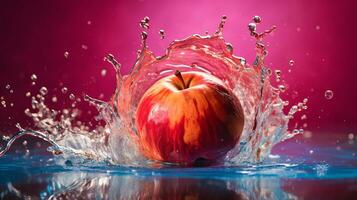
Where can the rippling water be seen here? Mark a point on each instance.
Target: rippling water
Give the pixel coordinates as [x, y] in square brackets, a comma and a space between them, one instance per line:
[320, 167]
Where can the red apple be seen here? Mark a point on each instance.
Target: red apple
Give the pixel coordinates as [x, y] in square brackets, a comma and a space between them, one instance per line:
[188, 116]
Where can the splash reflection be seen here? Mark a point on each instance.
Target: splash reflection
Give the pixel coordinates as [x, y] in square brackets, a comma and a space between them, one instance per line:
[84, 185]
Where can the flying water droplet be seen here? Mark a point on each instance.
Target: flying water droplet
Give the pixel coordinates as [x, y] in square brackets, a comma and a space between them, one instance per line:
[351, 136]
[257, 19]
[64, 90]
[85, 47]
[72, 97]
[66, 54]
[144, 23]
[103, 72]
[328, 94]
[33, 77]
[252, 27]
[291, 63]
[54, 99]
[43, 91]
[3, 103]
[7, 86]
[162, 34]
[282, 88]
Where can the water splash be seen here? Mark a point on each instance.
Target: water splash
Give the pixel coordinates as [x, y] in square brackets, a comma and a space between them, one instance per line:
[117, 142]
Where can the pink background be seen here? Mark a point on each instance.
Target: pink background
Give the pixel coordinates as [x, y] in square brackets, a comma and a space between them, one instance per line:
[318, 35]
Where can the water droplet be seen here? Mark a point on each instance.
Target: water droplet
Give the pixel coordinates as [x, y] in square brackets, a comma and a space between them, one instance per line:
[162, 34]
[303, 117]
[43, 91]
[144, 35]
[144, 23]
[54, 99]
[64, 90]
[257, 19]
[11, 104]
[33, 77]
[305, 100]
[85, 47]
[72, 97]
[66, 54]
[28, 94]
[7, 86]
[89, 22]
[282, 88]
[311, 151]
[24, 142]
[318, 27]
[351, 136]
[328, 94]
[11, 91]
[229, 47]
[5, 137]
[33, 83]
[103, 72]
[307, 134]
[252, 27]
[3, 103]
[278, 72]
[291, 63]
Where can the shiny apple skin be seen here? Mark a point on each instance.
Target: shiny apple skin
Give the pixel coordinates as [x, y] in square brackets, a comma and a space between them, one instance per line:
[181, 125]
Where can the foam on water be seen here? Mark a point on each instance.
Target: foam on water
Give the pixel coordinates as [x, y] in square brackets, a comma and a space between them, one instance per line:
[116, 143]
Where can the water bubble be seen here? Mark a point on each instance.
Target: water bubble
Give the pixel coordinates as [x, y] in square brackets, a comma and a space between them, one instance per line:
[66, 54]
[291, 63]
[11, 91]
[89, 22]
[28, 94]
[328, 94]
[24, 142]
[303, 117]
[162, 34]
[11, 104]
[252, 27]
[72, 97]
[43, 91]
[64, 90]
[33, 83]
[257, 19]
[318, 27]
[7, 86]
[103, 72]
[311, 151]
[33, 77]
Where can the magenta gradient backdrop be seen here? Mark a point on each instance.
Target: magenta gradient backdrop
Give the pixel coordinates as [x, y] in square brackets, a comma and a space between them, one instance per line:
[318, 35]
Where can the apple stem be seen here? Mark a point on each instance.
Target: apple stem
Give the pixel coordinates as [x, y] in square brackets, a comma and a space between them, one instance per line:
[179, 76]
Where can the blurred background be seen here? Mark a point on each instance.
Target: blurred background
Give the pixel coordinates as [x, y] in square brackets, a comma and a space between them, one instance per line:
[64, 43]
